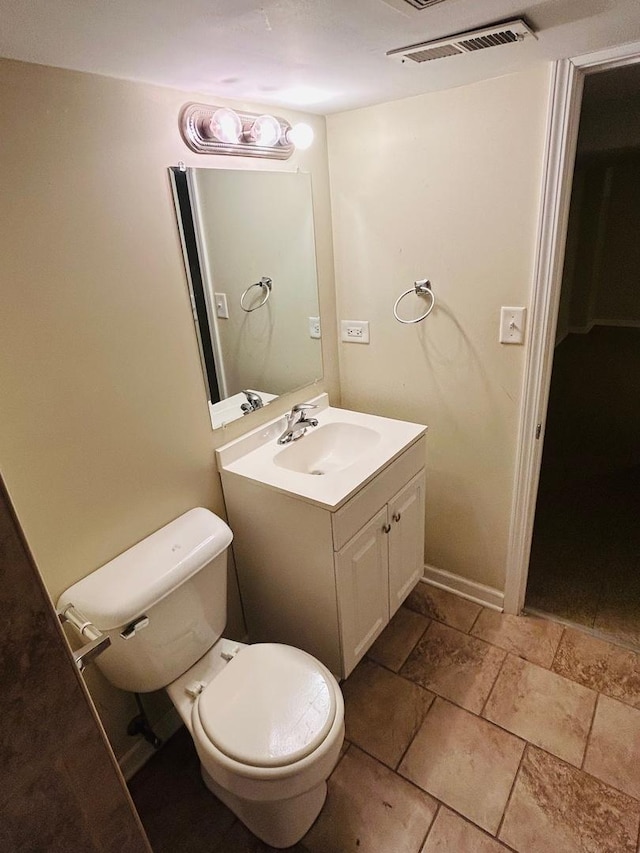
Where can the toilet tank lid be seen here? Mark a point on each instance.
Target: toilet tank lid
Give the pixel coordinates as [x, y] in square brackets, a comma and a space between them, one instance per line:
[130, 584]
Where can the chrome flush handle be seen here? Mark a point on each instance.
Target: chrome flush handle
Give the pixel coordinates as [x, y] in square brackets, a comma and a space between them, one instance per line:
[98, 642]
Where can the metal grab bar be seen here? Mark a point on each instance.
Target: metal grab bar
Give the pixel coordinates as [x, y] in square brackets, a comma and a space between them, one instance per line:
[422, 288]
[98, 642]
[266, 283]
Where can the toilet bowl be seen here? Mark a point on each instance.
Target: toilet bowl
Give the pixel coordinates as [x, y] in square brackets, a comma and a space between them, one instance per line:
[268, 726]
[267, 720]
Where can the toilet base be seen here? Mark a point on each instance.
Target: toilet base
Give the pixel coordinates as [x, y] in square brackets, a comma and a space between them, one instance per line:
[279, 823]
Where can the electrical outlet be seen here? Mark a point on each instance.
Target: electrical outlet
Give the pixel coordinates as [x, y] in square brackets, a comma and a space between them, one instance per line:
[314, 327]
[512, 325]
[222, 309]
[355, 331]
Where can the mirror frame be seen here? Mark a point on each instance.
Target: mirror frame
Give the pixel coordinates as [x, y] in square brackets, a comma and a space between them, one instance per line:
[195, 281]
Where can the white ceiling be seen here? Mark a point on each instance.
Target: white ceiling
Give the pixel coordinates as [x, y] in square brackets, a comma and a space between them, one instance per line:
[321, 56]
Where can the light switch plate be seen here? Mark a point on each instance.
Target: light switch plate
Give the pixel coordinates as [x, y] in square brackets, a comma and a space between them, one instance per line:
[314, 327]
[222, 308]
[512, 325]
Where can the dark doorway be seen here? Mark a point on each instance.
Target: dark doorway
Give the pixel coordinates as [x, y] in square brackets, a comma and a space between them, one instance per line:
[585, 557]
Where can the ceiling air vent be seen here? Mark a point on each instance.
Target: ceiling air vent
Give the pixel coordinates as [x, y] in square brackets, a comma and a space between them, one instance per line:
[469, 42]
[401, 5]
[422, 4]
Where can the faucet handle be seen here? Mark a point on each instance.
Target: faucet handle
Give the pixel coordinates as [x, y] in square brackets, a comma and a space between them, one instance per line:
[254, 402]
[303, 407]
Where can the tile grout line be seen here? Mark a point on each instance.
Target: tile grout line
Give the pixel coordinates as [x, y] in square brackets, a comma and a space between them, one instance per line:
[403, 778]
[415, 734]
[410, 680]
[597, 779]
[588, 739]
[433, 820]
[513, 786]
[407, 656]
[447, 698]
[478, 827]
[495, 681]
[580, 627]
[555, 655]
[473, 624]
[442, 621]
[574, 678]
[417, 642]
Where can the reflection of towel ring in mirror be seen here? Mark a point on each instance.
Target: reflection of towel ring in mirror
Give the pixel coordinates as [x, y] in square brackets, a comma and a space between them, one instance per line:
[422, 288]
[266, 284]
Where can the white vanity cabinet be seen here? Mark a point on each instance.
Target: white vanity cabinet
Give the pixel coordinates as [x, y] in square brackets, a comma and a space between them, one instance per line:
[325, 579]
[378, 568]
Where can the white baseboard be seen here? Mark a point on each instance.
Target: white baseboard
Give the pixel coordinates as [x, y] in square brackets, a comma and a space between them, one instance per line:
[141, 751]
[479, 593]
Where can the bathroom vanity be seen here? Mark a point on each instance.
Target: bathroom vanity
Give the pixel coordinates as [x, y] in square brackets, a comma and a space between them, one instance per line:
[328, 530]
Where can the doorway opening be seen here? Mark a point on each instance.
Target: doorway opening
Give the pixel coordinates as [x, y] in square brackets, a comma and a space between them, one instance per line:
[585, 552]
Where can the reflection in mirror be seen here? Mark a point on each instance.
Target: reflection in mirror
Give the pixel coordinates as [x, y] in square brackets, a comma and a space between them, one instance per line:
[250, 258]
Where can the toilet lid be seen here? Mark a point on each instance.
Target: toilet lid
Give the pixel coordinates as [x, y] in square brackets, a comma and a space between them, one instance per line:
[270, 706]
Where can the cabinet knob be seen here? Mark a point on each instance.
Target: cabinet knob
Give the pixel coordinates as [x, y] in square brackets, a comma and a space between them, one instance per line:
[396, 516]
[386, 528]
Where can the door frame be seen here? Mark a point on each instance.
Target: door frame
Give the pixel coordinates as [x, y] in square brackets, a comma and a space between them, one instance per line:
[565, 102]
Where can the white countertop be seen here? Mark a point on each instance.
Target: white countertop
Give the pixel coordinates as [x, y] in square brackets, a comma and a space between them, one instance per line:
[252, 455]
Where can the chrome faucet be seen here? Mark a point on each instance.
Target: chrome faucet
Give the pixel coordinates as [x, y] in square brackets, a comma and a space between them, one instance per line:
[254, 402]
[297, 423]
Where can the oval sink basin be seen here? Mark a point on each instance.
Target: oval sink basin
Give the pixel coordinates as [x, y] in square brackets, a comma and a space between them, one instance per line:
[328, 448]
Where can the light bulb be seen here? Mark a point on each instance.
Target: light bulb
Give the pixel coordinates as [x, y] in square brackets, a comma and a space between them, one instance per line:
[301, 135]
[265, 130]
[225, 125]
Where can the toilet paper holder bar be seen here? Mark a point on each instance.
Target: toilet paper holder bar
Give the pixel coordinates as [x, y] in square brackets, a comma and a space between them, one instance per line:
[98, 641]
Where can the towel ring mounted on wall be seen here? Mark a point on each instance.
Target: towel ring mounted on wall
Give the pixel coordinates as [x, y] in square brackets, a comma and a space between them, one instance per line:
[422, 288]
[264, 283]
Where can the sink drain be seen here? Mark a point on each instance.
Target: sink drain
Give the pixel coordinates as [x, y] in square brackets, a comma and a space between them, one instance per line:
[316, 472]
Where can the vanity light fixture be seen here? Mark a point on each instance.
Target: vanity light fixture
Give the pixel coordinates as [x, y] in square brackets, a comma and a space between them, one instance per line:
[264, 131]
[225, 126]
[301, 135]
[221, 130]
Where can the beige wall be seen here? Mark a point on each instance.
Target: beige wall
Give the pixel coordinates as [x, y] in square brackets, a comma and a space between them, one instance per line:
[105, 434]
[444, 186]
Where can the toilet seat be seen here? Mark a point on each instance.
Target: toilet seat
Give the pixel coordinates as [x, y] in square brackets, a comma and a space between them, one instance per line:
[270, 707]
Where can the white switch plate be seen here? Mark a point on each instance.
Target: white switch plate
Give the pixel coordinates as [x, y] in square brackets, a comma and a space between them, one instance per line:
[512, 325]
[355, 331]
[314, 327]
[222, 309]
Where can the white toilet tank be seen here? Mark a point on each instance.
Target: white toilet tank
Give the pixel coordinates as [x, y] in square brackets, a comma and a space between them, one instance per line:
[177, 580]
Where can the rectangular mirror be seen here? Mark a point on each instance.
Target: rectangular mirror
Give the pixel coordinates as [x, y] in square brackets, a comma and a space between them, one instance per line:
[249, 248]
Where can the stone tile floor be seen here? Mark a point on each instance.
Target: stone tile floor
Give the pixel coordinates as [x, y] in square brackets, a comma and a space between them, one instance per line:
[467, 732]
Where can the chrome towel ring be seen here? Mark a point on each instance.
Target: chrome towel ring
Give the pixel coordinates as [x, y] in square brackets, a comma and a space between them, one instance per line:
[266, 284]
[422, 288]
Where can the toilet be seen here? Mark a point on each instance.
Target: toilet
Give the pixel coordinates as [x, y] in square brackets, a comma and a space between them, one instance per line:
[267, 720]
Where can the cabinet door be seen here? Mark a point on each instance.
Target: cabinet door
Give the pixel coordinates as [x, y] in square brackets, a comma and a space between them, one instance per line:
[406, 541]
[362, 568]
